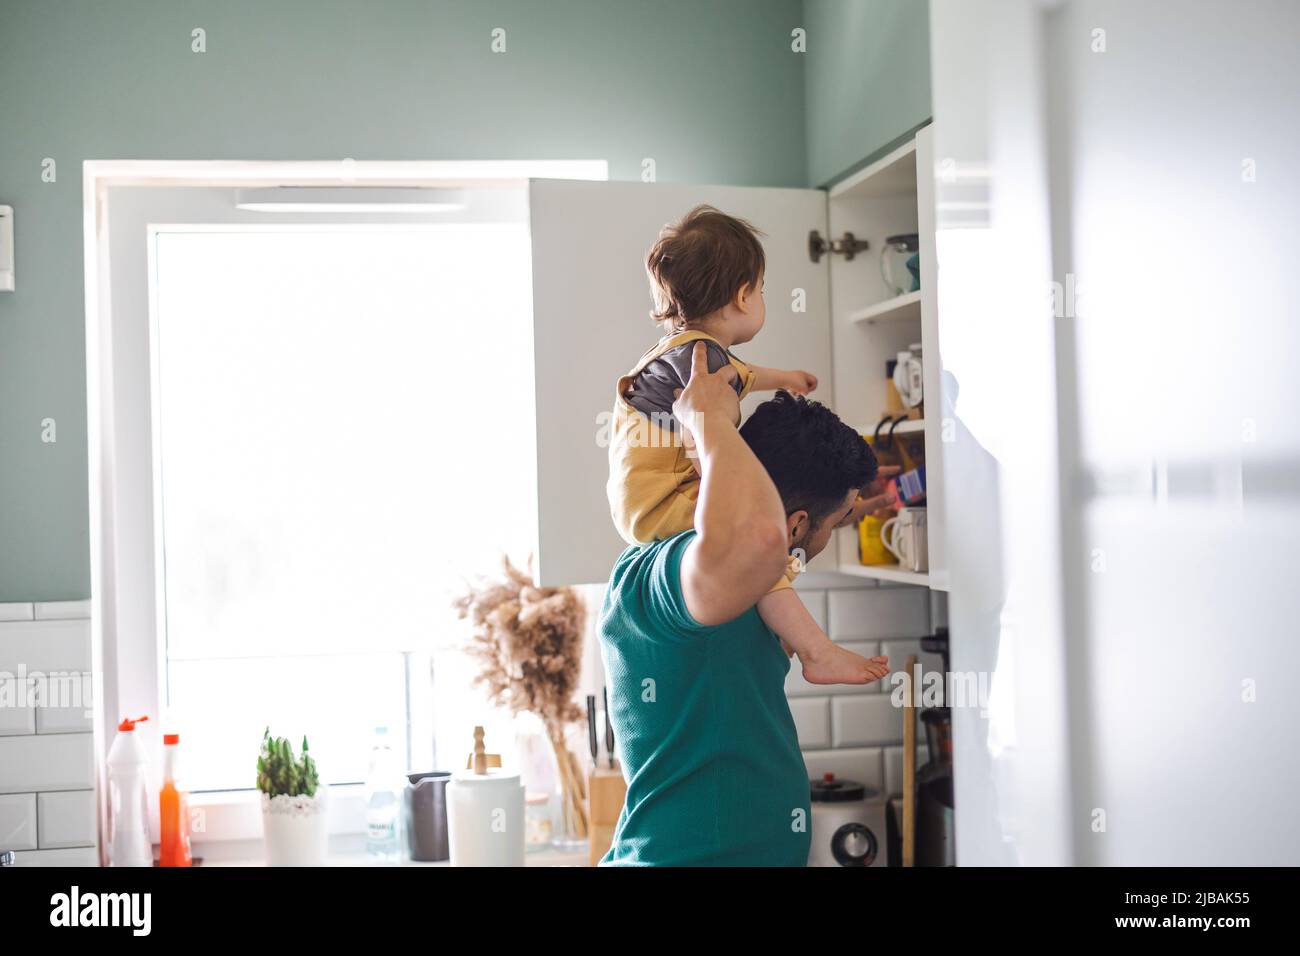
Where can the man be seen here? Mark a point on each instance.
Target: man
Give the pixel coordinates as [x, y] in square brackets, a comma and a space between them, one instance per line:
[715, 775]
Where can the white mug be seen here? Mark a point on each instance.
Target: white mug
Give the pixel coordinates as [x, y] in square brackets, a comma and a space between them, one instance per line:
[904, 535]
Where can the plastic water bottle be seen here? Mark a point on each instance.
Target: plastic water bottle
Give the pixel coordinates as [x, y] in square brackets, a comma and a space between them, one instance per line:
[383, 803]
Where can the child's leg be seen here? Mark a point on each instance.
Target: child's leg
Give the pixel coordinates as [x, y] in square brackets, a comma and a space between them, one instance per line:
[824, 661]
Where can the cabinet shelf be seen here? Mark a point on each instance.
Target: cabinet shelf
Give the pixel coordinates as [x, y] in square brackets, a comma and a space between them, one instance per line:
[905, 306]
[885, 572]
[892, 175]
[892, 196]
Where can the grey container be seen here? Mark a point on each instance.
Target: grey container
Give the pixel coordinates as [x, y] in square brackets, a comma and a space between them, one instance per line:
[424, 811]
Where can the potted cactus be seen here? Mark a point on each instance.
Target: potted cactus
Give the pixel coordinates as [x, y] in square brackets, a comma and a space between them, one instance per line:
[294, 821]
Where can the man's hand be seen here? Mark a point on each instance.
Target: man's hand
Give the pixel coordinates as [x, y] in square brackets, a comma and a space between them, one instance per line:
[708, 398]
[741, 540]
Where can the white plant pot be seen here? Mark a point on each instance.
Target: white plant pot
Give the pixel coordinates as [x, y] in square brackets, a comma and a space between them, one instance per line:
[296, 829]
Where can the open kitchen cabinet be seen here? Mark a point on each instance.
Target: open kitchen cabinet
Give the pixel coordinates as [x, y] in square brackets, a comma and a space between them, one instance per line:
[826, 314]
[870, 325]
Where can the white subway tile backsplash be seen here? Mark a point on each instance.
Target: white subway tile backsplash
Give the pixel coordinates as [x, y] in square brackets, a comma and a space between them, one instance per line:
[894, 766]
[66, 819]
[17, 716]
[18, 821]
[811, 721]
[865, 720]
[796, 686]
[80, 856]
[866, 614]
[67, 706]
[62, 610]
[861, 764]
[856, 732]
[50, 646]
[843, 729]
[897, 652]
[46, 744]
[46, 762]
[16, 612]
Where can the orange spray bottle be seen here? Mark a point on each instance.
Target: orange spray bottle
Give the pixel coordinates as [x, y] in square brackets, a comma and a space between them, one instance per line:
[173, 810]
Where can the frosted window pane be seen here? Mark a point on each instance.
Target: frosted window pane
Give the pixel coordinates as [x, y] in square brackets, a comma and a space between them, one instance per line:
[346, 433]
[334, 701]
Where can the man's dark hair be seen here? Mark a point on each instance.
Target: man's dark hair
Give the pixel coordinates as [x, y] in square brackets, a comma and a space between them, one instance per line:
[812, 457]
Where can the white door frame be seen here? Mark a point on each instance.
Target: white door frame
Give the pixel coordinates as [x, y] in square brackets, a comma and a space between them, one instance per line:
[101, 426]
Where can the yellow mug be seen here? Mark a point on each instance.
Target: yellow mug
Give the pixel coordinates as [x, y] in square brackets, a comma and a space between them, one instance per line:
[871, 550]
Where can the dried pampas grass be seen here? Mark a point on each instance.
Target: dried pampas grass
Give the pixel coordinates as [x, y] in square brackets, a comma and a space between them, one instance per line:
[528, 641]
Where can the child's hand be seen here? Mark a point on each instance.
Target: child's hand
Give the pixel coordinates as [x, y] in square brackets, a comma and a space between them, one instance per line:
[800, 383]
[874, 493]
[773, 379]
[872, 497]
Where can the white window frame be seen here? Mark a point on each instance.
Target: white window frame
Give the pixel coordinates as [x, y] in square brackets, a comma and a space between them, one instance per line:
[128, 659]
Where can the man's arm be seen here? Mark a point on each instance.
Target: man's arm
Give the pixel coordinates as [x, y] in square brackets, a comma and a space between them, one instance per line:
[740, 546]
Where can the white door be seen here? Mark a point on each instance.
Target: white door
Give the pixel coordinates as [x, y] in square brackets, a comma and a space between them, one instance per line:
[591, 322]
[1117, 307]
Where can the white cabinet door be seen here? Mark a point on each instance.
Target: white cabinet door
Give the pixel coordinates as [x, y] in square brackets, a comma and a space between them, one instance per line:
[939, 403]
[591, 322]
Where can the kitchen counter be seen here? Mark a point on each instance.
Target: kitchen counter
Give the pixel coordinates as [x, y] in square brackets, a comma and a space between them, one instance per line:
[349, 852]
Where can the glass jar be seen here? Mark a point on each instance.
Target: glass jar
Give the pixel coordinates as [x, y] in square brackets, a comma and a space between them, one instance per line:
[900, 265]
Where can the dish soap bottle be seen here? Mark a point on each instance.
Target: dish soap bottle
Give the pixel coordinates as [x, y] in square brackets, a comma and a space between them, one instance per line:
[383, 803]
[128, 794]
[173, 810]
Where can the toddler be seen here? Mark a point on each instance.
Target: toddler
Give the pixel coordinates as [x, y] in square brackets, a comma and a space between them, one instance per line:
[706, 275]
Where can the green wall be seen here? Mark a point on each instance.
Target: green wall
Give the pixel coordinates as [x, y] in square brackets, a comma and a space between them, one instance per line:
[867, 81]
[709, 88]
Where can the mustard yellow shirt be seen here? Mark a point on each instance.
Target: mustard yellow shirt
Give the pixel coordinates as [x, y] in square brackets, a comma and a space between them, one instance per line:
[653, 483]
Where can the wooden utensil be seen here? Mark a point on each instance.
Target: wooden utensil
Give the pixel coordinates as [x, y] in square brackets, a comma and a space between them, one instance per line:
[909, 764]
[606, 792]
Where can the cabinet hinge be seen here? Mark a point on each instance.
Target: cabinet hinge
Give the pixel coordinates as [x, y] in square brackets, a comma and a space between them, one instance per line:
[847, 246]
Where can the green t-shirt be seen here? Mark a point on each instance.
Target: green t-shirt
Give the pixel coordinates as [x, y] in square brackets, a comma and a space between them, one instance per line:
[709, 750]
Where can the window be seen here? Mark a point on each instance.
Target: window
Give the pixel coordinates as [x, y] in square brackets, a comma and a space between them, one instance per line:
[343, 434]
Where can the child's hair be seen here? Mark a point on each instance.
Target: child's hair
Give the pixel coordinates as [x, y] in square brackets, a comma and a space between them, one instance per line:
[699, 264]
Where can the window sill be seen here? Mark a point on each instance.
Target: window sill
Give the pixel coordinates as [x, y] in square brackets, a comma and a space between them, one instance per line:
[236, 815]
[227, 831]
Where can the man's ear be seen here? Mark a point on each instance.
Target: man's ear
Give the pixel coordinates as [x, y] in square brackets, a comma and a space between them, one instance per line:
[796, 525]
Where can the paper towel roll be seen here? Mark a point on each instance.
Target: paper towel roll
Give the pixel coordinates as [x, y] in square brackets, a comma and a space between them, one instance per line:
[485, 818]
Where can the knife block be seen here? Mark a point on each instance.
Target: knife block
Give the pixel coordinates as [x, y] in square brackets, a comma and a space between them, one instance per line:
[605, 793]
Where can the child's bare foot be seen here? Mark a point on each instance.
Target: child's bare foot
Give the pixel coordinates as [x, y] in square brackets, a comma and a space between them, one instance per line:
[831, 664]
